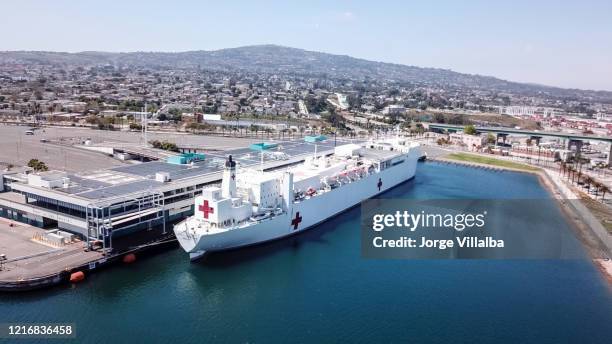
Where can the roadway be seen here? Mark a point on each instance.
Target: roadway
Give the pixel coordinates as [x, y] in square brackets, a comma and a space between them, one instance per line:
[512, 131]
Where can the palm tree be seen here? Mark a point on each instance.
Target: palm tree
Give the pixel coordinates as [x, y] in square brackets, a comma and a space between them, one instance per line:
[587, 182]
[580, 162]
[562, 166]
[596, 186]
[603, 188]
[569, 170]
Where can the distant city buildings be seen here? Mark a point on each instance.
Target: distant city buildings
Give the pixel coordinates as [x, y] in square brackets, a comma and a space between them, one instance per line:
[472, 142]
[394, 110]
[80, 93]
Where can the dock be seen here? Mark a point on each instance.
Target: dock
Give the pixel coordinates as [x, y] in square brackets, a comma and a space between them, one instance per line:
[38, 217]
[29, 263]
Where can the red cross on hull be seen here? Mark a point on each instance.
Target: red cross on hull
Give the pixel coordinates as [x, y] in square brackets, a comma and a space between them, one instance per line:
[206, 209]
[296, 221]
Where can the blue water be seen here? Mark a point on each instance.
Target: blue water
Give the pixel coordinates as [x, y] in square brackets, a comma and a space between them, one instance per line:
[317, 288]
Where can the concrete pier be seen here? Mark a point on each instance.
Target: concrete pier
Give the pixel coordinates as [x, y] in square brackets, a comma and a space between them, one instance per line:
[34, 264]
[31, 263]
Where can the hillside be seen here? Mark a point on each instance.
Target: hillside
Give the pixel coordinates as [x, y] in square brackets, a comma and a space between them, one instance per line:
[273, 59]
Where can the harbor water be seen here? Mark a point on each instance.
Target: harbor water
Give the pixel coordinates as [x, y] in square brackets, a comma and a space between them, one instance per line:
[316, 287]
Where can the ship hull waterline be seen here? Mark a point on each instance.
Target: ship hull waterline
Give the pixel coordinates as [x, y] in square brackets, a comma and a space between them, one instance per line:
[200, 255]
[302, 216]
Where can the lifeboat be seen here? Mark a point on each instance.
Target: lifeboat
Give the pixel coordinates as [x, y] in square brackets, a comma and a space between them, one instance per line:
[332, 182]
[311, 192]
[299, 196]
[344, 177]
[261, 216]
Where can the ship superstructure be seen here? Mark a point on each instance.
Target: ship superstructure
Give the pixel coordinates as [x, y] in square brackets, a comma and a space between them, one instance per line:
[253, 206]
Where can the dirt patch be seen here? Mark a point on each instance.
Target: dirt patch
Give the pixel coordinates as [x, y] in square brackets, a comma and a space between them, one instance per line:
[599, 210]
[497, 120]
[595, 248]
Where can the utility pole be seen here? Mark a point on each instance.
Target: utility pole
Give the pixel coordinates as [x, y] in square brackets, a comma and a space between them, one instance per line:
[144, 125]
[18, 143]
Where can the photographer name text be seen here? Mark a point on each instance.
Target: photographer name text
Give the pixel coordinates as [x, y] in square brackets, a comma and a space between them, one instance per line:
[421, 222]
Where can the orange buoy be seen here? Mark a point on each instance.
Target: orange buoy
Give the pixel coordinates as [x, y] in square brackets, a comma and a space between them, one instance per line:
[129, 258]
[76, 277]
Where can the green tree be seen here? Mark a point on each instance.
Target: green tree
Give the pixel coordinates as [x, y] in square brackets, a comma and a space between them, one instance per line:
[442, 141]
[439, 118]
[490, 139]
[603, 188]
[469, 129]
[37, 165]
[334, 119]
[165, 145]
[354, 101]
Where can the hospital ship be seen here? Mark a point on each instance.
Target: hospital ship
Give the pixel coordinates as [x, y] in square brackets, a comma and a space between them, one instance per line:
[253, 206]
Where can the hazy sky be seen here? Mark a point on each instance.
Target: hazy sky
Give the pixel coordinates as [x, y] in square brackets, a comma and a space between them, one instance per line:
[560, 43]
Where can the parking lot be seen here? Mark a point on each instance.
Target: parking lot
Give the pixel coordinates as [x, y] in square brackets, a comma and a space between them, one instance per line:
[18, 148]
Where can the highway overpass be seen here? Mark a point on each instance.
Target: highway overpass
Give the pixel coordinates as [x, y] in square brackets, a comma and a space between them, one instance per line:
[575, 140]
[512, 131]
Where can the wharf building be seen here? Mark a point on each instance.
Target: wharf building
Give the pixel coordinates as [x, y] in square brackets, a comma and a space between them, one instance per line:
[122, 207]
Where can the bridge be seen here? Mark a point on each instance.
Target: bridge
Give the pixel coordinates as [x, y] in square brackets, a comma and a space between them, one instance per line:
[575, 140]
[512, 131]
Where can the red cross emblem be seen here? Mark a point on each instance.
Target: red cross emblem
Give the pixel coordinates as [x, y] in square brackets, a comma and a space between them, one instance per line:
[206, 209]
[295, 222]
[379, 183]
[233, 176]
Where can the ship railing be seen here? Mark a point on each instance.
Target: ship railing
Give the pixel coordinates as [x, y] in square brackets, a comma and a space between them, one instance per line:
[340, 180]
[242, 223]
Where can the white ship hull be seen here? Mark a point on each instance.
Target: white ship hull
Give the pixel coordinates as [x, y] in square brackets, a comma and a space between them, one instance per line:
[307, 213]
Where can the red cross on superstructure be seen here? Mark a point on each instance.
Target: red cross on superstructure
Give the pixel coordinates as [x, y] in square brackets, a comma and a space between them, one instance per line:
[295, 222]
[379, 183]
[206, 209]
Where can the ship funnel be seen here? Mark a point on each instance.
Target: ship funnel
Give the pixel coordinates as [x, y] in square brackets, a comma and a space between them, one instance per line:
[228, 183]
[230, 163]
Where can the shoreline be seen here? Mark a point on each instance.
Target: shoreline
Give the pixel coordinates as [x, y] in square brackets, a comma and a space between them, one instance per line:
[597, 250]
